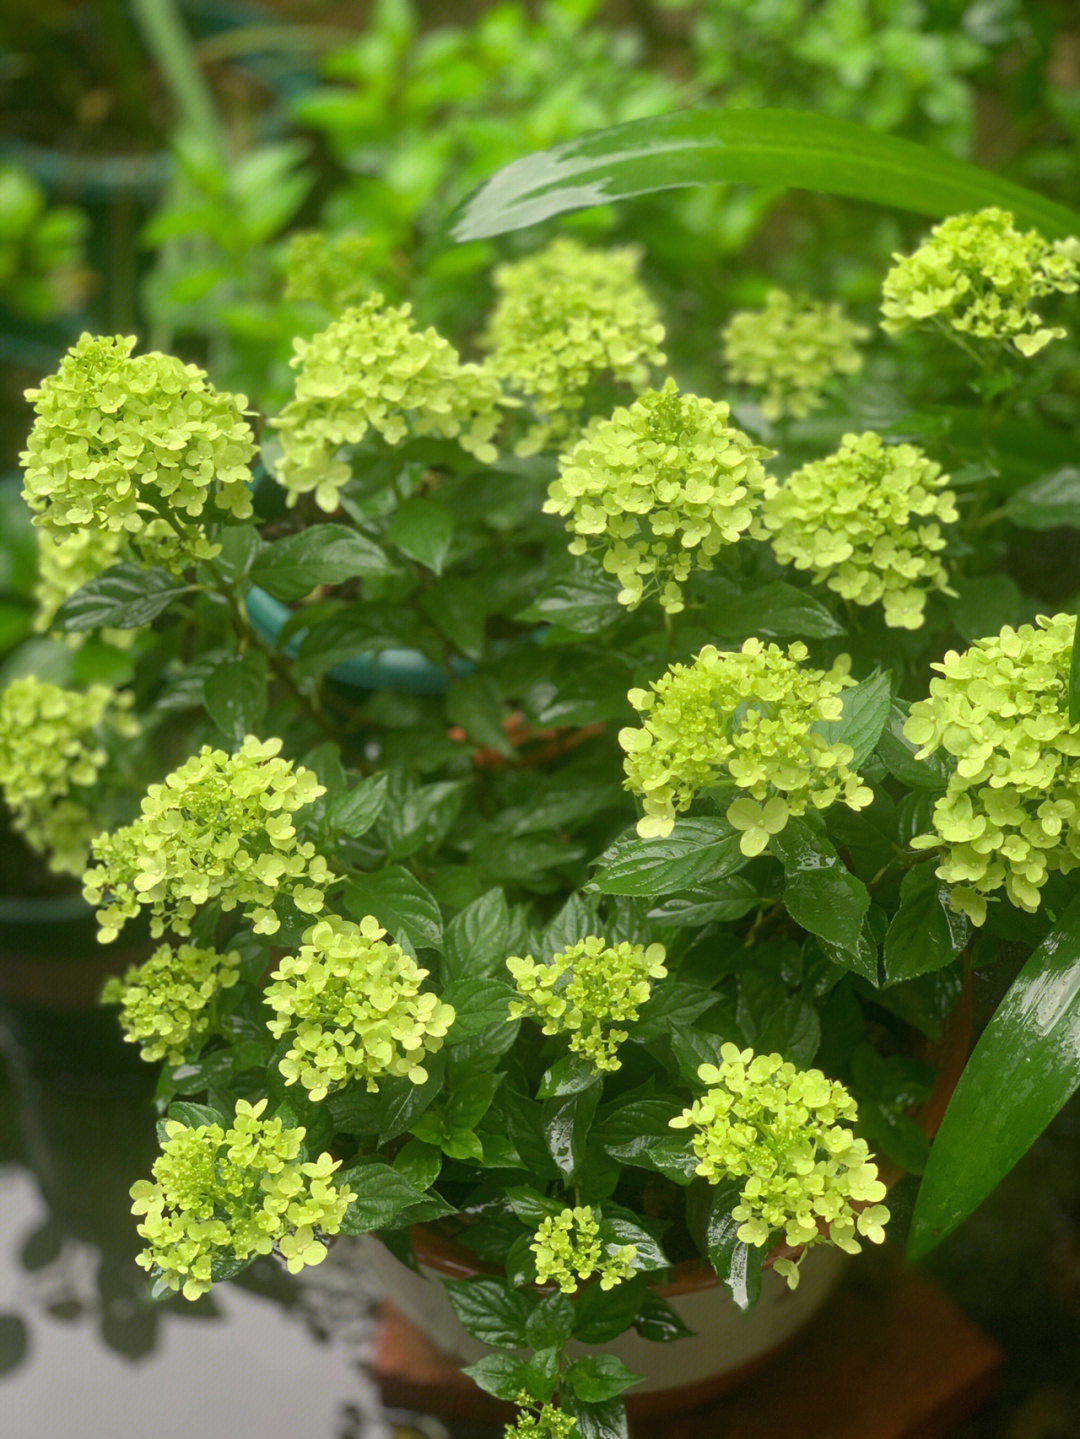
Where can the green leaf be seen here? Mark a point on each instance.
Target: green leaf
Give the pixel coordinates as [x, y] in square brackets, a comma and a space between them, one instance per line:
[623, 1228]
[597, 1421]
[566, 1124]
[628, 1132]
[737, 1264]
[420, 1163]
[382, 1193]
[984, 605]
[478, 1005]
[866, 709]
[423, 529]
[196, 1115]
[477, 939]
[355, 810]
[1048, 502]
[503, 1375]
[671, 1007]
[419, 815]
[569, 1075]
[773, 611]
[121, 598]
[1074, 679]
[586, 604]
[658, 1322]
[491, 1311]
[925, 933]
[1023, 1069]
[602, 1315]
[400, 903]
[717, 903]
[696, 851]
[898, 755]
[551, 1322]
[820, 893]
[780, 149]
[329, 554]
[599, 1377]
[476, 704]
[235, 695]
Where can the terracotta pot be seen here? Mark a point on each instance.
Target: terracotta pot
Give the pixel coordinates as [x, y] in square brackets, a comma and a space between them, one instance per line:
[726, 1345]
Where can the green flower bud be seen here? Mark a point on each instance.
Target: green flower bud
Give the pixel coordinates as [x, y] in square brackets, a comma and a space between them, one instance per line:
[167, 1003]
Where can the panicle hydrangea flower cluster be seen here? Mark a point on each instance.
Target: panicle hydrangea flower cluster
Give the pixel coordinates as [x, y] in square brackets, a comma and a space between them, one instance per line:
[782, 1130]
[218, 830]
[54, 744]
[327, 270]
[167, 1003]
[221, 1195]
[587, 991]
[547, 1423]
[866, 521]
[357, 1009]
[372, 369]
[564, 318]
[978, 275]
[790, 349]
[139, 445]
[568, 1249]
[1010, 814]
[660, 488]
[745, 718]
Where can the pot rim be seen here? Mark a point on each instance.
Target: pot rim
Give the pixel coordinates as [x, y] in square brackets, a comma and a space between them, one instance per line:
[454, 1261]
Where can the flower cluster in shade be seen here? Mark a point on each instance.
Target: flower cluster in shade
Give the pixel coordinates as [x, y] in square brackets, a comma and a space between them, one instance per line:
[978, 276]
[222, 1196]
[568, 1249]
[372, 369]
[327, 270]
[548, 1422]
[588, 991]
[54, 745]
[745, 718]
[659, 489]
[167, 1003]
[219, 830]
[1010, 815]
[866, 521]
[790, 349]
[564, 319]
[355, 1008]
[784, 1132]
[138, 445]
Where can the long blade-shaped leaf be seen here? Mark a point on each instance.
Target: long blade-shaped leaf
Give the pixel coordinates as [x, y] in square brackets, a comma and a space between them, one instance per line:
[1023, 1069]
[778, 148]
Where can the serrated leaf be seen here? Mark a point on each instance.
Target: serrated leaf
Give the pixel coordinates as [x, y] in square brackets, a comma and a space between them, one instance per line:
[566, 1124]
[329, 554]
[866, 709]
[671, 1006]
[121, 598]
[820, 893]
[503, 1375]
[716, 903]
[355, 810]
[773, 611]
[925, 933]
[478, 1005]
[400, 903]
[599, 1377]
[491, 1311]
[423, 529]
[382, 1192]
[477, 939]
[234, 694]
[898, 754]
[597, 1421]
[697, 851]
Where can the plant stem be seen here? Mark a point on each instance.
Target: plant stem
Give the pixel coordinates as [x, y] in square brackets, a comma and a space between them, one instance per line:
[169, 44]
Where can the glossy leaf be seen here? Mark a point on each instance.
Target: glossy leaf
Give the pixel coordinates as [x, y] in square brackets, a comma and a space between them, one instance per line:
[866, 709]
[400, 903]
[820, 893]
[773, 611]
[381, 1195]
[423, 530]
[477, 938]
[925, 933]
[1048, 502]
[898, 755]
[292, 567]
[1023, 1069]
[478, 1005]
[121, 598]
[491, 1311]
[781, 149]
[235, 695]
[696, 851]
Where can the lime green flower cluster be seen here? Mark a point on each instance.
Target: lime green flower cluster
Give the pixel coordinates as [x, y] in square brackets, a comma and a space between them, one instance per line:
[790, 349]
[54, 744]
[547, 1423]
[327, 270]
[745, 718]
[137, 445]
[866, 521]
[564, 318]
[587, 991]
[218, 830]
[661, 488]
[357, 1009]
[568, 1249]
[372, 369]
[167, 1003]
[979, 276]
[1011, 812]
[782, 1130]
[223, 1195]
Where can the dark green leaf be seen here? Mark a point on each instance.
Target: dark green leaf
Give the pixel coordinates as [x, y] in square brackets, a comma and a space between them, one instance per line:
[671, 1007]
[418, 815]
[898, 755]
[820, 893]
[476, 704]
[419, 1163]
[542, 1372]
[597, 1421]
[925, 933]
[984, 605]
[328, 554]
[381, 1195]
[121, 598]
[775, 148]
[624, 1229]
[532, 1207]
[716, 903]
[658, 1321]
[602, 1315]
[355, 810]
[491, 1311]
[697, 851]
[566, 1127]
[478, 1005]
[1048, 502]
[503, 1375]
[400, 903]
[235, 695]
[570, 1075]
[586, 604]
[196, 1115]
[477, 938]
[423, 529]
[1023, 1069]
[629, 1131]
[866, 708]
[551, 1323]
[773, 611]
[598, 1377]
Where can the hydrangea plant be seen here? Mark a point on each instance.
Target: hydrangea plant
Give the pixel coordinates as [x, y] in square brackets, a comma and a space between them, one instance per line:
[596, 909]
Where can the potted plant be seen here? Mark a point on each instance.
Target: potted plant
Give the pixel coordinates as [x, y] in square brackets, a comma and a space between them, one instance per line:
[610, 968]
